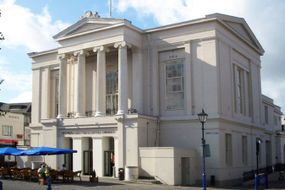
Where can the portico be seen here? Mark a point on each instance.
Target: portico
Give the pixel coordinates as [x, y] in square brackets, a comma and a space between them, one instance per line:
[77, 59]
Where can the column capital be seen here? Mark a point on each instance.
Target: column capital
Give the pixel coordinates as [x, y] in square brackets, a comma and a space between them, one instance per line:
[99, 48]
[78, 53]
[122, 44]
[61, 56]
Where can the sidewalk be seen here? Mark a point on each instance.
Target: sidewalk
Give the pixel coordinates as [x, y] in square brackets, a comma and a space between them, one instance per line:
[106, 183]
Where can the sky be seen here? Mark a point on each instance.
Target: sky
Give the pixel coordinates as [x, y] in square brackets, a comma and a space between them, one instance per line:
[28, 26]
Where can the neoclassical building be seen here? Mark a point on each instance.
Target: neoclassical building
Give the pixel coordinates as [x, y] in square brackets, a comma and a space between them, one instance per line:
[129, 98]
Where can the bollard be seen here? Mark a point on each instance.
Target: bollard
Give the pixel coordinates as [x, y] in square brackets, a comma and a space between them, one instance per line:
[256, 182]
[48, 185]
[266, 181]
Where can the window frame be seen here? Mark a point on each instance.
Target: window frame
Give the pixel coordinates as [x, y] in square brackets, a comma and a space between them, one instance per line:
[7, 130]
[174, 62]
[228, 149]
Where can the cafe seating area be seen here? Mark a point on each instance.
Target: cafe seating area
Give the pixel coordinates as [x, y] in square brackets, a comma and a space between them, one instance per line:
[29, 174]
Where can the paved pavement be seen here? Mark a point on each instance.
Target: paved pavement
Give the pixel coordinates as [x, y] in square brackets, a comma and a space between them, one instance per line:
[114, 184]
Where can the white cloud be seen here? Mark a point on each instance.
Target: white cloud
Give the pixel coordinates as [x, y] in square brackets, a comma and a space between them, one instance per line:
[25, 96]
[170, 11]
[23, 31]
[18, 85]
[21, 27]
[266, 19]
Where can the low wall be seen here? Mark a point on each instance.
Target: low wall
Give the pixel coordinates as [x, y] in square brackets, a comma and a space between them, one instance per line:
[164, 164]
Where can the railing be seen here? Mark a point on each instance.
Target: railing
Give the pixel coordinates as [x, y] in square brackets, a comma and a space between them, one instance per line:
[267, 170]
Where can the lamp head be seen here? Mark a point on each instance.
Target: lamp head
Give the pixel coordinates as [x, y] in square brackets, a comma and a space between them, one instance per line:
[202, 116]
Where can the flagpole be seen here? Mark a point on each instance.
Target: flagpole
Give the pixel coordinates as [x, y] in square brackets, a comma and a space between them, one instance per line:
[110, 8]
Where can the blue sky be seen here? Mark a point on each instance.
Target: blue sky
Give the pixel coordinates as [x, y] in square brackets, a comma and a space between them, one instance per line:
[28, 25]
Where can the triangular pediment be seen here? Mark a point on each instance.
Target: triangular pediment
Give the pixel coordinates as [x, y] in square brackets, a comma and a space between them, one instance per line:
[240, 28]
[88, 23]
[87, 27]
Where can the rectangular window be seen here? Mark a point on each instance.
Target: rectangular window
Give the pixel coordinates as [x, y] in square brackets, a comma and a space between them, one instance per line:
[228, 149]
[111, 92]
[174, 82]
[275, 120]
[244, 150]
[7, 130]
[266, 114]
[241, 91]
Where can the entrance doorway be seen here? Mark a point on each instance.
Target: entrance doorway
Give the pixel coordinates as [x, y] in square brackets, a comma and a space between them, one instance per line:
[68, 158]
[185, 171]
[108, 163]
[88, 166]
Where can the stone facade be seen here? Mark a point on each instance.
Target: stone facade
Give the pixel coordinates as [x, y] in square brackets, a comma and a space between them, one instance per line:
[122, 96]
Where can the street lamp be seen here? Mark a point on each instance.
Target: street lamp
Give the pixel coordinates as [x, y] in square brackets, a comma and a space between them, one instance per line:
[203, 118]
[258, 142]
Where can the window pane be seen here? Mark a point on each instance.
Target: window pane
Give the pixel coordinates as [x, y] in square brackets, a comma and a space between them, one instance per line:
[174, 84]
[111, 92]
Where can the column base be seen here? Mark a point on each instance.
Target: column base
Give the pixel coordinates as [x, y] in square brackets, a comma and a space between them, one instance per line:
[99, 114]
[78, 115]
[60, 116]
[120, 112]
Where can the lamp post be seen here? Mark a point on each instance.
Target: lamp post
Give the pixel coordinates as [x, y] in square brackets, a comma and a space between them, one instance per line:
[258, 142]
[203, 118]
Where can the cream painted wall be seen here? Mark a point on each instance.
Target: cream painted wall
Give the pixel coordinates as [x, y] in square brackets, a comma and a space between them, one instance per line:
[164, 163]
[16, 122]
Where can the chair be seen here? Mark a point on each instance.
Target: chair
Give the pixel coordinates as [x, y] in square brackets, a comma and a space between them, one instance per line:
[94, 177]
[25, 173]
[69, 175]
[15, 173]
[34, 175]
[4, 172]
[54, 174]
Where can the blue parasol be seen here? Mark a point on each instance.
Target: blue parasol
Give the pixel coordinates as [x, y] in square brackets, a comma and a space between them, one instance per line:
[9, 151]
[44, 151]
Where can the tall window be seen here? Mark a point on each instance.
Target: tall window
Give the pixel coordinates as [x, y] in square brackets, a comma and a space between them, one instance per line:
[244, 150]
[228, 149]
[111, 92]
[241, 91]
[174, 82]
[266, 114]
[7, 130]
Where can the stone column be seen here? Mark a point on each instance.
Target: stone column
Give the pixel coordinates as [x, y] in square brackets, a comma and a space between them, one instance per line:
[80, 84]
[122, 77]
[98, 162]
[62, 86]
[77, 157]
[100, 81]
[36, 98]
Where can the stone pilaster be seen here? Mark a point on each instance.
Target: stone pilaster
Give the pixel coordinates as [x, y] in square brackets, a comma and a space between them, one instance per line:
[98, 162]
[137, 75]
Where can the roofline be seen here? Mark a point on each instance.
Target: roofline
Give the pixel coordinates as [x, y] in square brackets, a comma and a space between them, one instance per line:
[179, 24]
[208, 18]
[102, 29]
[40, 53]
[261, 51]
